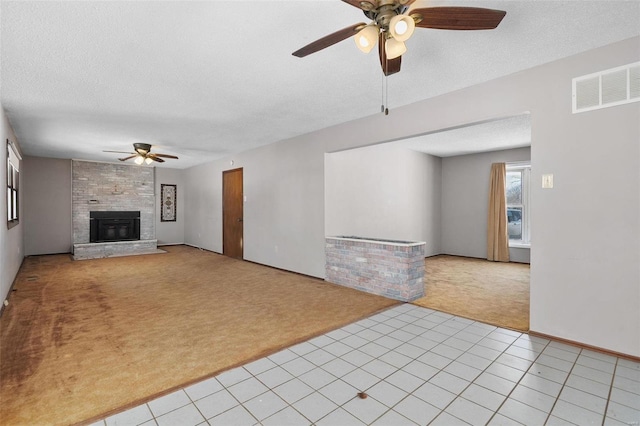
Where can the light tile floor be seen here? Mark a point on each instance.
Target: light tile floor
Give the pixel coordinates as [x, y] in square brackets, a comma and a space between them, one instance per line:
[418, 367]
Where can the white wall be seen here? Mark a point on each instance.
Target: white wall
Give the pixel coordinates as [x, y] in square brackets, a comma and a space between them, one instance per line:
[284, 208]
[47, 205]
[170, 232]
[586, 255]
[465, 201]
[384, 192]
[11, 247]
[585, 279]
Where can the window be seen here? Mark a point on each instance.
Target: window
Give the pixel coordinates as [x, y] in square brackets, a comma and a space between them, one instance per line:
[517, 190]
[13, 181]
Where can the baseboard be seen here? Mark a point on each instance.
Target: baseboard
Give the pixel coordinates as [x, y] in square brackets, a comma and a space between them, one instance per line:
[200, 248]
[585, 346]
[172, 244]
[286, 270]
[472, 257]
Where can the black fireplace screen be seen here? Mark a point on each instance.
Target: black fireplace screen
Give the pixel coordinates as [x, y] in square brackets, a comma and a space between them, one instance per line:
[114, 226]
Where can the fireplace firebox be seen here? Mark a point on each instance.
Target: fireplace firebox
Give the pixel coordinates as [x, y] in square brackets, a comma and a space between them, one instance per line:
[114, 226]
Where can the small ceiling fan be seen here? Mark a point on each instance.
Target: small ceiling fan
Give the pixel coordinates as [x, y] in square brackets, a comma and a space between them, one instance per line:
[143, 154]
[392, 24]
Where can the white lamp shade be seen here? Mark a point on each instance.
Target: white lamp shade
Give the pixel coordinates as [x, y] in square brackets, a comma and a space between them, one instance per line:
[148, 160]
[367, 37]
[401, 27]
[139, 160]
[394, 48]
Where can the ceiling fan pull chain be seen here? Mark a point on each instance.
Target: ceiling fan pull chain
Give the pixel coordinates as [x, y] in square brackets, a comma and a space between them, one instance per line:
[386, 94]
[382, 94]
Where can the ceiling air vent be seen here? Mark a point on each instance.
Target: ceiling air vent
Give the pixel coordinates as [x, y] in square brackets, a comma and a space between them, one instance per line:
[607, 88]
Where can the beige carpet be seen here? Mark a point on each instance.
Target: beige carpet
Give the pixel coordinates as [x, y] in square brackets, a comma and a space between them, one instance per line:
[82, 339]
[492, 292]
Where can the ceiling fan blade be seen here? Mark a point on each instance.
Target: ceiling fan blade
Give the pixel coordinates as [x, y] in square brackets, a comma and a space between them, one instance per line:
[457, 18]
[354, 3]
[329, 40]
[128, 158]
[389, 66]
[121, 152]
[155, 158]
[163, 156]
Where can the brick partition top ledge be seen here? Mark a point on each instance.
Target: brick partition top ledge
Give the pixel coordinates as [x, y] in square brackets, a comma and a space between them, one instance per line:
[393, 269]
[373, 242]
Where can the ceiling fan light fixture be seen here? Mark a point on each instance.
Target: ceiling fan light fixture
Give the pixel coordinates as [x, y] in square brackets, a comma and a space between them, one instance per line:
[366, 38]
[394, 48]
[139, 160]
[148, 160]
[401, 27]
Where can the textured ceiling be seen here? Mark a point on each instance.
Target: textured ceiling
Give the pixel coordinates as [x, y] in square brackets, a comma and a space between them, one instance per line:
[511, 132]
[203, 80]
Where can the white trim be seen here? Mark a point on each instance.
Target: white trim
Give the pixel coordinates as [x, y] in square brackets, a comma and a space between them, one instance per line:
[515, 165]
[13, 155]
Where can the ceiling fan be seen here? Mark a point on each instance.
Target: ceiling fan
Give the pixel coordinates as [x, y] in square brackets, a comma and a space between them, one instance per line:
[392, 24]
[143, 154]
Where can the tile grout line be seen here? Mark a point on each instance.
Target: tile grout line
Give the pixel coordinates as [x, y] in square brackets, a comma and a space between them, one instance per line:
[390, 350]
[564, 384]
[613, 378]
[486, 336]
[518, 382]
[378, 358]
[459, 395]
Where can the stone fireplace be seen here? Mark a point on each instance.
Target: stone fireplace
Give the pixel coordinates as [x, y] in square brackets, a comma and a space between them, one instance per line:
[113, 209]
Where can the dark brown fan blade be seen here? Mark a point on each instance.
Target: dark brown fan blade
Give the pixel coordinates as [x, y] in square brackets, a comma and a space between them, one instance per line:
[155, 157]
[354, 3]
[389, 66]
[121, 152]
[329, 40]
[457, 18]
[164, 156]
[128, 158]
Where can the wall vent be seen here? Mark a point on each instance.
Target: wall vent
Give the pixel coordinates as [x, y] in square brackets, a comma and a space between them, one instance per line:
[615, 86]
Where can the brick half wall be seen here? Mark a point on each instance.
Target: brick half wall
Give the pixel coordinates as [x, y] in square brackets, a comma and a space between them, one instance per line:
[390, 269]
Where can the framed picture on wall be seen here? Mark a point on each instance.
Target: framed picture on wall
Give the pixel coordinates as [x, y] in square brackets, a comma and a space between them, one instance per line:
[168, 209]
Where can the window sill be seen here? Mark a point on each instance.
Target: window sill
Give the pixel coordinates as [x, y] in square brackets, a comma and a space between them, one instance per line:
[515, 244]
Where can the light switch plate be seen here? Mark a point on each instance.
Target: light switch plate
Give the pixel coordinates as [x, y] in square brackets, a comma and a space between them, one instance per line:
[547, 181]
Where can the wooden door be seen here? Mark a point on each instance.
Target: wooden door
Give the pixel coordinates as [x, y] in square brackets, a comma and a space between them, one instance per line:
[232, 213]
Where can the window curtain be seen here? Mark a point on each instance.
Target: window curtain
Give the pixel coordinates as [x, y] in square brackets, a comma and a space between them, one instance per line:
[497, 232]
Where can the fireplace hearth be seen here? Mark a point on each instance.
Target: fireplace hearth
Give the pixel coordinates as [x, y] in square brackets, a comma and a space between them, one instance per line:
[110, 226]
